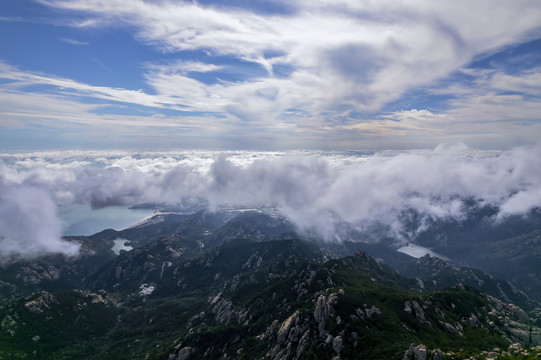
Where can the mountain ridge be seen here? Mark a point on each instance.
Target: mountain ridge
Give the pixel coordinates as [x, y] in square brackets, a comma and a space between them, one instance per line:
[252, 288]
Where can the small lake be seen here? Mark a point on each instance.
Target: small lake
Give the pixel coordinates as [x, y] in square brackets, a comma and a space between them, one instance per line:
[120, 244]
[83, 220]
[418, 251]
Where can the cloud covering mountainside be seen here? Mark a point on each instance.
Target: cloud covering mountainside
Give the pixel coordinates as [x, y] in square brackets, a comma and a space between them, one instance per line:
[319, 192]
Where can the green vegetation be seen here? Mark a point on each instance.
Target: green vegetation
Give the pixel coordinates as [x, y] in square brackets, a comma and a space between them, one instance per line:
[247, 300]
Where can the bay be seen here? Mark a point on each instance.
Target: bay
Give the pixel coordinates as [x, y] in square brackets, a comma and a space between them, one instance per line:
[83, 220]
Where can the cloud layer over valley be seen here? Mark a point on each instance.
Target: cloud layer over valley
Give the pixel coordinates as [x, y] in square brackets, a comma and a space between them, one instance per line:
[320, 192]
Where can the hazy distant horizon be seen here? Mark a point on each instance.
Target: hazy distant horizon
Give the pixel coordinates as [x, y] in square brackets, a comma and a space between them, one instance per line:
[300, 150]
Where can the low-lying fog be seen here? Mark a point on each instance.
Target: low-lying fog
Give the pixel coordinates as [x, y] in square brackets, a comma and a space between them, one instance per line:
[317, 191]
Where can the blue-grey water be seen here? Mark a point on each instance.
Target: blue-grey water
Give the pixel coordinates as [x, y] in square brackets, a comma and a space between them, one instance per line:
[83, 220]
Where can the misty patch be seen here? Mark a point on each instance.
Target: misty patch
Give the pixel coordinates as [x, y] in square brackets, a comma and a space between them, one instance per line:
[29, 225]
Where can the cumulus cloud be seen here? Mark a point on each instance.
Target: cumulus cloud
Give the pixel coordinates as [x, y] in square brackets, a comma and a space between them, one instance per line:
[29, 226]
[320, 192]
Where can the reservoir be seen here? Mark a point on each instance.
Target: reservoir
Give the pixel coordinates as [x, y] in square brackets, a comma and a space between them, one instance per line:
[120, 244]
[418, 251]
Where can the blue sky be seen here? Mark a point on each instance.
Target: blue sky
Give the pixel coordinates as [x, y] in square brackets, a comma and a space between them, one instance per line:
[275, 74]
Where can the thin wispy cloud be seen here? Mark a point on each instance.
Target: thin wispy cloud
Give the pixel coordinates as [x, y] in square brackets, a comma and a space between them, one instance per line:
[309, 70]
[184, 67]
[20, 79]
[11, 19]
[74, 42]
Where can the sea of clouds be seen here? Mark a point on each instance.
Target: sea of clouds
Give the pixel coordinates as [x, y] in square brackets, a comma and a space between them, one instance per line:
[318, 191]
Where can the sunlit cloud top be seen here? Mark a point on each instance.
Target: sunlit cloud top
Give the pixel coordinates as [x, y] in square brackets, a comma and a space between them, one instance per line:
[269, 74]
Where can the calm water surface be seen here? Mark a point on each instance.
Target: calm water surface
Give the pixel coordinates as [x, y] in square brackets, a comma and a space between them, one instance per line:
[83, 220]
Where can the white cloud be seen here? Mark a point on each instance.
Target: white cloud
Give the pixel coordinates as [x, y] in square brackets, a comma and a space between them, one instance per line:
[184, 67]
[497, 105]
[19, 80]
[318, 191]
[74, 41]
[344, 61]
[368, 53]
[492, 107]
[404, 122]
[526, 82]
[23, 110]
[29, 226]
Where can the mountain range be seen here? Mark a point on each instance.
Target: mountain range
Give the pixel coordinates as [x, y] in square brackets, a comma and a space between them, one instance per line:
[246, 285]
